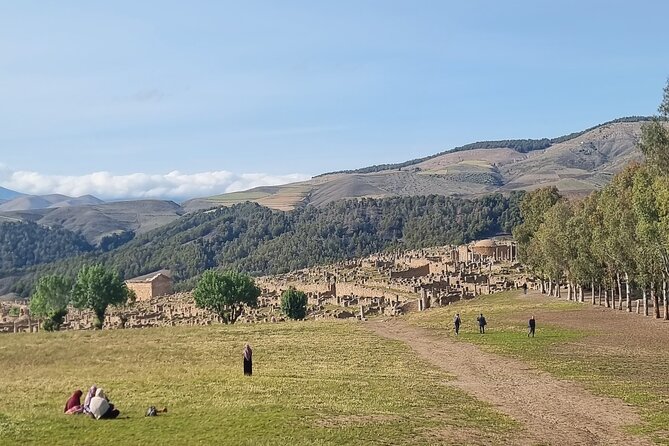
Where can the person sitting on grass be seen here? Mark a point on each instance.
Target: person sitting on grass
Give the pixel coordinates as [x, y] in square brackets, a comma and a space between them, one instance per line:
[73, 405]
[101, 408]
[89, 396]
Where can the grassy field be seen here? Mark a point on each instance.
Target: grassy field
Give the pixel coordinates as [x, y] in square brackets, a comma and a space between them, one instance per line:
[611, 353]
[314, 383]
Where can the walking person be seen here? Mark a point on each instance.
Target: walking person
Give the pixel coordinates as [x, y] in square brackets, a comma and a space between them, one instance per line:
[532, 325]
[456, 323]
[248, 360]
[482, 323]
[525, 288]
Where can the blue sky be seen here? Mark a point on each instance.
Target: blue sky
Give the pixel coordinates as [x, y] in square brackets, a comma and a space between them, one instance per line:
[276, 88]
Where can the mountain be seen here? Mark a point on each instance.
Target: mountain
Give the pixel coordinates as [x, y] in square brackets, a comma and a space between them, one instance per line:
[97, 221]
[8, 194]
[33, 202]
[577, 164]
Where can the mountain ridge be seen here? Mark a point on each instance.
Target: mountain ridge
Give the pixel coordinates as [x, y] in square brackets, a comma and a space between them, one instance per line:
[576, 163]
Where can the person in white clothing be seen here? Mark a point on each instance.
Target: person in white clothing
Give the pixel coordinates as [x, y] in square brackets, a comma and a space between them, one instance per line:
[100, 407]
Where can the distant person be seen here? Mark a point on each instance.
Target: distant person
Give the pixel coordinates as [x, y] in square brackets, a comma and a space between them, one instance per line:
[248, 360]
[525, 288]
[532, 325]
[101, 408]
[456, 323]
[89, 396]
[73, 405]
[482, 323]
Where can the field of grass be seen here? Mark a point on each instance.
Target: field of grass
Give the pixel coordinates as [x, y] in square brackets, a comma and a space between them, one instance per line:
[314, 383]
[572, 344]
[238, 197]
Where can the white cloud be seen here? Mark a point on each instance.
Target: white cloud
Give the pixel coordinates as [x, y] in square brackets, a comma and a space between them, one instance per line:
[173, 185]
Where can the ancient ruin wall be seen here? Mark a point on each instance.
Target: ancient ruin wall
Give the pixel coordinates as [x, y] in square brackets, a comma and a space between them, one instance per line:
[143, 291]
[162, 286]
[419, 271]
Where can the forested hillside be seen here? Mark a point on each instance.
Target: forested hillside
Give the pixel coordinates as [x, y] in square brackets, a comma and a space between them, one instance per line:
[27, 244]
[258, 240]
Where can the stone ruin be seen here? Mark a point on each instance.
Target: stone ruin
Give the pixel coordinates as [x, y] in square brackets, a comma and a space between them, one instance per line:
[15, 318]
[388, 284]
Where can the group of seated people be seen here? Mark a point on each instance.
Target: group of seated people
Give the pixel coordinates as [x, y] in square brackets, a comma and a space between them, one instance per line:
[96, 404]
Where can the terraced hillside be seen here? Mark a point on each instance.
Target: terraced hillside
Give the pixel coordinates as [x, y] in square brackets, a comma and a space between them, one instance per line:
[576, 164]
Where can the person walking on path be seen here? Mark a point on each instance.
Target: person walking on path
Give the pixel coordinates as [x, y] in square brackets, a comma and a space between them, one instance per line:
[525, 288]
[456, 323]
[482, 323]
[532, 325]
[248, 360]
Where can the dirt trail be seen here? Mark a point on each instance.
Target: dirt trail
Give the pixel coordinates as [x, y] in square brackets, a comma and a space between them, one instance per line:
[552, 411]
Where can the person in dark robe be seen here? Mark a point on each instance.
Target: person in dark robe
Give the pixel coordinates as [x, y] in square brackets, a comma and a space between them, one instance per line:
[482, 323]
[73, 405]
[525, 288]
[456, 322]
[532, 325]
[248, 360]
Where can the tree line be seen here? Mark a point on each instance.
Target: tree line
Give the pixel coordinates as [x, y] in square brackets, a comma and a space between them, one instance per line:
[615, 241]
[94, 288]
[256, 240]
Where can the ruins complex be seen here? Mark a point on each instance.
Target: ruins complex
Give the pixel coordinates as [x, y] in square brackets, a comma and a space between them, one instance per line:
[387, 284]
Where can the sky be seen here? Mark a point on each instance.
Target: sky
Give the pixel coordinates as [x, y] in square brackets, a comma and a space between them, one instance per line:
[171, 99]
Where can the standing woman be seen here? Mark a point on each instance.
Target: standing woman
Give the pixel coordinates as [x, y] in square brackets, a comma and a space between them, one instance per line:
[248, 360]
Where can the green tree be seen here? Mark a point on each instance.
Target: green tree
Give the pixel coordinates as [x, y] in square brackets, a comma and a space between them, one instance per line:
[585, 267]
[50, 299]
[533, 210]
[226, 293]
[96, 288]
[294, 303]
[654, 141]
[649, 249]
[553, 238]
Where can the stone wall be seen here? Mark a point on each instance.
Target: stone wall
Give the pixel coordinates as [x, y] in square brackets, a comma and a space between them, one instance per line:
[143, 291]
[418, 271]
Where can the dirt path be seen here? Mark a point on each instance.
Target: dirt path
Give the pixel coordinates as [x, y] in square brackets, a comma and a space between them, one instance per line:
[552, 411]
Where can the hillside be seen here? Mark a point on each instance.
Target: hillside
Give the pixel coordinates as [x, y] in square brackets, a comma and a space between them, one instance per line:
[34, 202]
[577, 164]
[98, 221]
[27, 244]
[8, 194]
[258, 240]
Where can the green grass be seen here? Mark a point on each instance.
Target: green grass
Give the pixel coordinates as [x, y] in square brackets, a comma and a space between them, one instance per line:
[314, 383]
[636, 375]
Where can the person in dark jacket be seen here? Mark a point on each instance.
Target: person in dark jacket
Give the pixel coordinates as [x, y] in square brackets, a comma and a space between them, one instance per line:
[456, 323]
[482, 323]
[525, 288]
[248, 360]
[532, 325]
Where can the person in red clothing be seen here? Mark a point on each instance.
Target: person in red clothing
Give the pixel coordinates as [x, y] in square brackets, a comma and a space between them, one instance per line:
[73, 405]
